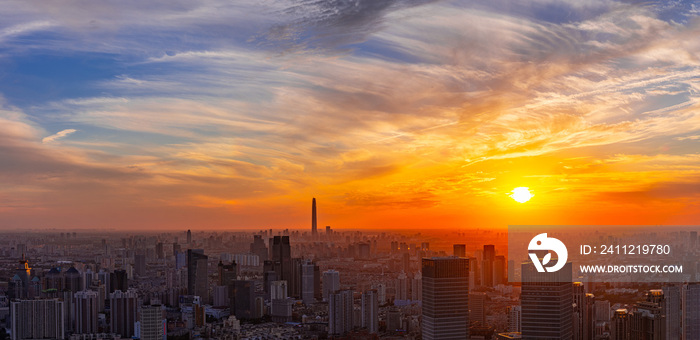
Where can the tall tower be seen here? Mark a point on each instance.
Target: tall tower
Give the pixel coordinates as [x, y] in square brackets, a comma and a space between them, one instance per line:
[314, 221]
[445, 298]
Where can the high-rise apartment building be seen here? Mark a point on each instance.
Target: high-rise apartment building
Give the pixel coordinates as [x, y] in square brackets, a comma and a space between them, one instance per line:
[37, 319]
[86, 309]
[370, 311]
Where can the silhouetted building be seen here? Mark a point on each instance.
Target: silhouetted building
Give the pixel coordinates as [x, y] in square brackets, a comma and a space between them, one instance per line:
[227, 273]
[140, 264]
[281, 257]
[197, 274]
[459, 250]
[242, 297]
[259, 248]
[445, 298]
[119, 281]
[314, 221]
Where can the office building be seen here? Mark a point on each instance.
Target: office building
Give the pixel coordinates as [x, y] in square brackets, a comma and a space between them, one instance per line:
[197, 274]
[445, 309]
[546, 303]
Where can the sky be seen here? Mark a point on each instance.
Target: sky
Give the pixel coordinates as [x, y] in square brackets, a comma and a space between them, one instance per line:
[410, 114]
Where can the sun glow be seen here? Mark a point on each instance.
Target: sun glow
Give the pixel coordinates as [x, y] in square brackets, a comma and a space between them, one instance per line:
[521, 194]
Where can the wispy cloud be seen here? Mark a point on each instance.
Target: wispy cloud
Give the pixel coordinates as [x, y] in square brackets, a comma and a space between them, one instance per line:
[58, 135]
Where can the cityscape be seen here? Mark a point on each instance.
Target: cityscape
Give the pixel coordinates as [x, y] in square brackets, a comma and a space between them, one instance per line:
[315, 283]
[350, 169]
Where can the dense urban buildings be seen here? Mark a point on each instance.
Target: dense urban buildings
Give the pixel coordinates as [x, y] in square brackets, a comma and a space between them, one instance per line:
[342, 285]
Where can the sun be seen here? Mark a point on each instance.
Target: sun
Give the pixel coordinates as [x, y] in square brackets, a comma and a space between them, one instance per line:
[521, 194]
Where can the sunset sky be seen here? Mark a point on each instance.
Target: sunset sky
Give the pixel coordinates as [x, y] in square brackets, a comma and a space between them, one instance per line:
[393, 114]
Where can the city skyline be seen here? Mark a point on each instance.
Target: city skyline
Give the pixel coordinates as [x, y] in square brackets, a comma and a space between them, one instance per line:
[392, 114]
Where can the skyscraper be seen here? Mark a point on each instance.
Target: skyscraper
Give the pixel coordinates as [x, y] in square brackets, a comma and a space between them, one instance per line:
[314, 221]
[197, 283]
[340, 312]
[37, 319]
[546, 302]
[672, 297]
[445, 298]
[691, 311]
[86, 308]
[281, 258]
[189, 238]
[124, 308]
[648, 320]
[370, 311]
[242, 297]
[620, 325]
